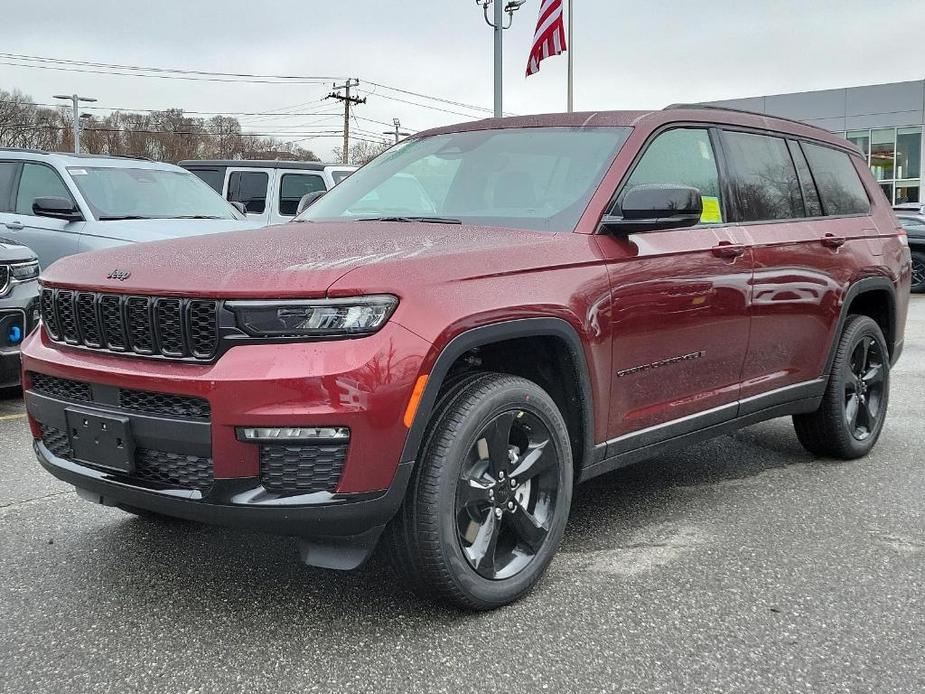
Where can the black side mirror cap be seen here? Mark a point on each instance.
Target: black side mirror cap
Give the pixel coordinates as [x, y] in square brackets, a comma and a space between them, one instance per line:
[653, 207]
[56, 208]
[308, 200]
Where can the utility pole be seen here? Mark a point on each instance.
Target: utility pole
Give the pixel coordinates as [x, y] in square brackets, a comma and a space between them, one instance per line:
[348, 100]
[75, 101]
[498, 26]
[397, 131]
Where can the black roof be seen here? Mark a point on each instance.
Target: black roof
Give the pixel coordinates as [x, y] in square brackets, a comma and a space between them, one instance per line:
[258, 164]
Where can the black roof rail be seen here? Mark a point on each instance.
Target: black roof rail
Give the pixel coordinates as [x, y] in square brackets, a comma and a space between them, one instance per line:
[710, 107]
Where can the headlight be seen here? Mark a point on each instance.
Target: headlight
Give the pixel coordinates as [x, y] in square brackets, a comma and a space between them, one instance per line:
[23, 272]
[361, 315]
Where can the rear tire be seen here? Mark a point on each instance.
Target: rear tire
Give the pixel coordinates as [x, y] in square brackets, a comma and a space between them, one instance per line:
[489, 498]
[850, 418]
[918, 272]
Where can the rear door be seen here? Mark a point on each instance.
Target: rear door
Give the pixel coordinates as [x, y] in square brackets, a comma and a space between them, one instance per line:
[292, 186]
[680, 304]
[803, 256]
[49, 238]
[254, 188]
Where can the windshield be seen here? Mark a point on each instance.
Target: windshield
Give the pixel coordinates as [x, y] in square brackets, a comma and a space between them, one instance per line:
[124, 193]
[528, 178]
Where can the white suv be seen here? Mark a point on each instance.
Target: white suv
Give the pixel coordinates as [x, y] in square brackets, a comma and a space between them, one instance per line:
[270, 190]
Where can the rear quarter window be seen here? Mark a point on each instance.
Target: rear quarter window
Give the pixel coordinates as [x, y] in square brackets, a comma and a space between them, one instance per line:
[840, 187]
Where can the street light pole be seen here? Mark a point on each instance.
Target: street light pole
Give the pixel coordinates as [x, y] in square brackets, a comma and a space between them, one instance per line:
[498, 26]
[75, 101]
[397, 132]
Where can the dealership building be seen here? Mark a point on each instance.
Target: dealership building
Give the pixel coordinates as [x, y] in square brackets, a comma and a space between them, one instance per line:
[885, 121]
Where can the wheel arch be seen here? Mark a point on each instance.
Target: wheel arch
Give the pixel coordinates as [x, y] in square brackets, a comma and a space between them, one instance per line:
[874, 297]
[495, 334]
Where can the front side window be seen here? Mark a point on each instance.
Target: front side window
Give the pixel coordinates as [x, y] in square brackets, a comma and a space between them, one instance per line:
[683, 157]
[116, 193]
[764, 180]
[38, 181]
[529, 178]
[250, 188]
[293, 187]
[839, 185]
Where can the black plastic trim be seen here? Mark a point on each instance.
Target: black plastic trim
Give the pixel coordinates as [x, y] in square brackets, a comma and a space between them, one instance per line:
[862, 286]
[499, 332]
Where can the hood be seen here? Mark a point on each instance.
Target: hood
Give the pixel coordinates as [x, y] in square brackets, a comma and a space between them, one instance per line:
[158, 229]
[300, 259]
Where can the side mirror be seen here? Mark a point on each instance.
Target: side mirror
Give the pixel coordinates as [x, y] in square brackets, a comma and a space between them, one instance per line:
[56, 208]
[308, 200]
[239, 206]
[656, 206]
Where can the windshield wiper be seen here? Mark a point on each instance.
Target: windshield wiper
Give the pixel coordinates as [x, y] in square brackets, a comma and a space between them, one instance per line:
[198, 216]
[426, 220]
[118, 217]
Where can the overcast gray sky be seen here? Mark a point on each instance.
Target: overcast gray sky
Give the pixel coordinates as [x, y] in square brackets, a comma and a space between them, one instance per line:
[627, 54]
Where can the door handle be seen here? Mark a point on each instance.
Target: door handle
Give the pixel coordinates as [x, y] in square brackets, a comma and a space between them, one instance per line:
[14, 226]
[728, 250]
[832, 241]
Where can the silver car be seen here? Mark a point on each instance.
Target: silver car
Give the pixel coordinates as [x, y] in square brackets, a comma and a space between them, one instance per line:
[61, 204]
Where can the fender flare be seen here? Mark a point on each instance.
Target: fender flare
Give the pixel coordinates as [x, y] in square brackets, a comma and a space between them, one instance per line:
[499, 332]
[863, 286]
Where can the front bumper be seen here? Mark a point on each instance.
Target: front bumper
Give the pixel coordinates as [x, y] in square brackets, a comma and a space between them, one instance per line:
[338, 532]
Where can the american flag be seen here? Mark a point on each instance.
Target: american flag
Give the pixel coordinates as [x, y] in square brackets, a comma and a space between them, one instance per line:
[549, 37]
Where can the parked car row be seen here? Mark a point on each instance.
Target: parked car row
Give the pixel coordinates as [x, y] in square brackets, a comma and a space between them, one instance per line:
[436, 350]
[912, 218]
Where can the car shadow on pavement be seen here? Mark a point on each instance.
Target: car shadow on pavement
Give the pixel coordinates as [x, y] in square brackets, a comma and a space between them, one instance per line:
[255, 575]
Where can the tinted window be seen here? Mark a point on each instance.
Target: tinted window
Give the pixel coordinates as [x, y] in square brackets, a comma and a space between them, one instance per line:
[7, 172]
[764, 180]
[293, 187]
[38, 181]
[249, 187]
[839, 186]
[214, 177]
[684, 157]
[810, 195]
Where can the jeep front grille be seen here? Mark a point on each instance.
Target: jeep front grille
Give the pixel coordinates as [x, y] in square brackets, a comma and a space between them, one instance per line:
[145, 325]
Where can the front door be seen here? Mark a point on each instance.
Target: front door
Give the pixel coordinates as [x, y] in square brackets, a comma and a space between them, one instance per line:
[680, 305]
[254, 188]
[49, 238]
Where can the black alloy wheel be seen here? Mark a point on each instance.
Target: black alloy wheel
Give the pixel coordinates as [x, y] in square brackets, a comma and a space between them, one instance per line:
[852, 412]
[864, 388]
[918, 272]
[506, 495]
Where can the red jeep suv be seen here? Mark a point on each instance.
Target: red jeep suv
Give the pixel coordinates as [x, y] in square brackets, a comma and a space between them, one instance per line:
[432, 354]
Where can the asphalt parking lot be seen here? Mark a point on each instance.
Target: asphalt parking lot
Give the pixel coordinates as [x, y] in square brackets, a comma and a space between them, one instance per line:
[739, 565]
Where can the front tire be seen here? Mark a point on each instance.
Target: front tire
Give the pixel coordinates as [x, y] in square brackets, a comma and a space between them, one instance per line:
[850, 418]
[490, 496]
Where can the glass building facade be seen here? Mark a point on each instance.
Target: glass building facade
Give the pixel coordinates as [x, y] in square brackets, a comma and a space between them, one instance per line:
[895, 158]
[885, 121]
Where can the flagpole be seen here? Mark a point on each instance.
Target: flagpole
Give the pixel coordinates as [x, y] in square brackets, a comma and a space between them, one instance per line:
[570, 50]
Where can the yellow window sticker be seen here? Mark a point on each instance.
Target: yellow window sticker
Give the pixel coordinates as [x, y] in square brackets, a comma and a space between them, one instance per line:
[711, 213]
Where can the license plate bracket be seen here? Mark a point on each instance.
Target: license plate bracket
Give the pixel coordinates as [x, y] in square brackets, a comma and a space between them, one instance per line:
[101, 440]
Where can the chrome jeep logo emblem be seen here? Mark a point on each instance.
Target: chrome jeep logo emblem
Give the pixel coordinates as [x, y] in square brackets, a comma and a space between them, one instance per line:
[120, 275]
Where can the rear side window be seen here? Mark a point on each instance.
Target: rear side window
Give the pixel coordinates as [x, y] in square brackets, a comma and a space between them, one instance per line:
[293, 187]
[39, 181]
[810, 194]
[249, 187]
[839, 186]
[7, 174]
[682, 157]
[764, 180]
[215, 178]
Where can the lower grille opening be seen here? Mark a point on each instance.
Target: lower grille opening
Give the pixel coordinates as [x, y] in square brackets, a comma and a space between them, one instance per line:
[151, 465]
[301, 468]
